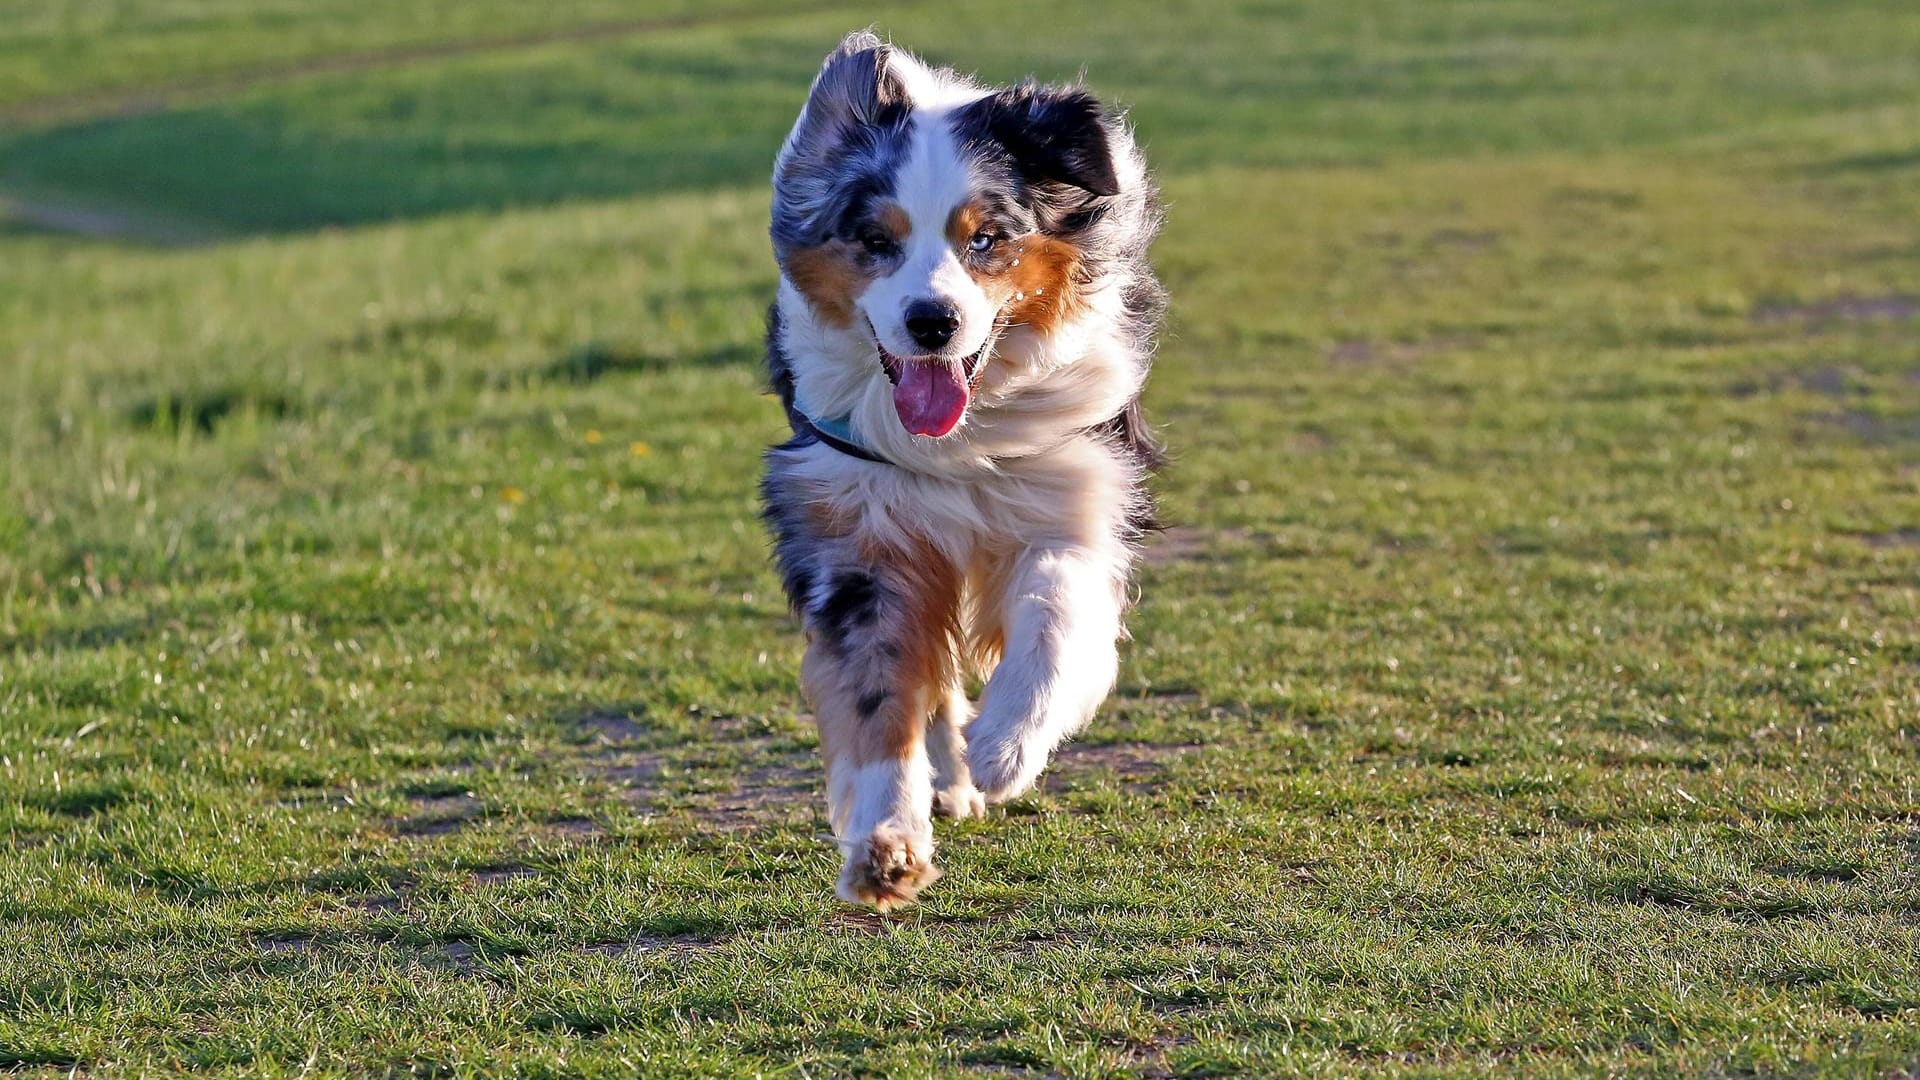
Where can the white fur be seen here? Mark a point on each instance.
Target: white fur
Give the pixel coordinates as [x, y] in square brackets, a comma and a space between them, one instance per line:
[896, 794]
[1063, 619]
[931, 182]
[884, 799]
[954, 793]
[930, 88]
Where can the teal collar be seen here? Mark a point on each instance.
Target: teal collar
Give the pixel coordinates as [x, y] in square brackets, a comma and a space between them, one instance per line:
[837, 433]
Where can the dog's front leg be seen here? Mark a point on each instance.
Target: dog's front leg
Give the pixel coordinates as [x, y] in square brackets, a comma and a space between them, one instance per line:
[1062, 614]
[881, 649]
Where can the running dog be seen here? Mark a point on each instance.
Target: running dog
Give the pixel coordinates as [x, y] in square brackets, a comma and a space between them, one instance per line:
[964, 323]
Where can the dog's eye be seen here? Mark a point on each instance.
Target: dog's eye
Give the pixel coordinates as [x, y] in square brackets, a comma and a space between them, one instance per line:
[877, 243]
[982, 242]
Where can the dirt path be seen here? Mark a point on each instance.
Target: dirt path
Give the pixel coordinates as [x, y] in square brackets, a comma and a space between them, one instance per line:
[139, 101]
[101, 222]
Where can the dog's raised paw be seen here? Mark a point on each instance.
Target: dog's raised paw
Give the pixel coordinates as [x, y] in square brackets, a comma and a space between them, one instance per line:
[888, 870]
[1003, 766]
[960, 802]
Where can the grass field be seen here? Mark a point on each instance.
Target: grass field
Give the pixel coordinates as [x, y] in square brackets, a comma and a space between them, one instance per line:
[392, 680]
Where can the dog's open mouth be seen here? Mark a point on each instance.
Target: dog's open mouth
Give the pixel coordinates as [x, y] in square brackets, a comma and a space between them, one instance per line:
[931, 396]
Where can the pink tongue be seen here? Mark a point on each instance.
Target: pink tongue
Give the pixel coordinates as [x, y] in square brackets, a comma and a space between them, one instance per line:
[930, 397]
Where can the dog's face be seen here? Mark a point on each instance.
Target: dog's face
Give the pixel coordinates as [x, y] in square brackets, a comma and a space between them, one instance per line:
[924, 217]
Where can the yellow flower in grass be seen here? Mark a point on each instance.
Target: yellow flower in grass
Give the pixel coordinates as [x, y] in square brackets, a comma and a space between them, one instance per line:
[593, 437]
[512, 496]
[639, 449]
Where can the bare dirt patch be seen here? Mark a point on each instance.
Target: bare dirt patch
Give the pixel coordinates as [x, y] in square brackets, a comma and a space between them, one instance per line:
[649, 945]
[1828, 380]
[1362, 352]
[101, 222]
[610, 726]
[500, 875]
[1464, 239]
[783, 793]
[1847, 307]
[747, 774]
[441, 814]
[859, 923]
[1897, 538]
[462, 955]
[1187, 543]
[1139, 766]
[573, 828]
[1311, 442]
[635, 772]
[1875, 427]
[1156, 700]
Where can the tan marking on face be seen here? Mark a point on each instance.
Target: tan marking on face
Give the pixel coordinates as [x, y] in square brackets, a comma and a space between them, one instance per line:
[963, 223]
[1031, 282]
[892, 219]
[830, 277]
[1042, 279]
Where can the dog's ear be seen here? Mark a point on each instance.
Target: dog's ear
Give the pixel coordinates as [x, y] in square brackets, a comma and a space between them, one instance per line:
[856, 87]
[1057, 135]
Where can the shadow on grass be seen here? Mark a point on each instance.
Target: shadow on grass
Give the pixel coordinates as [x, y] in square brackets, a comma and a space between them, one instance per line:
[204, 410]
[596, 360]
[1883, 162]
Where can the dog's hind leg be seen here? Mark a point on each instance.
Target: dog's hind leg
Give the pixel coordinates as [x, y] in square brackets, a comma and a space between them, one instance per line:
[954, 794]
[880, 657]
[1061, 613]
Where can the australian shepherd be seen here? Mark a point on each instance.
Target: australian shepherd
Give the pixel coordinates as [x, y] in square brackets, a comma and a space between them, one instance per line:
[963, 328]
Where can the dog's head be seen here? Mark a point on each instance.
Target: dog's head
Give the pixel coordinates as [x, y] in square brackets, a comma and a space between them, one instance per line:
[920, 213]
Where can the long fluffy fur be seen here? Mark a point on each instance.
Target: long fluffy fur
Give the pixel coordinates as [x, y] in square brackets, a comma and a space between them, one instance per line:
[1004, 548]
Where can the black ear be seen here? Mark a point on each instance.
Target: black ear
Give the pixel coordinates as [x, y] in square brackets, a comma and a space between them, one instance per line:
[856, 87]
[1057, 135]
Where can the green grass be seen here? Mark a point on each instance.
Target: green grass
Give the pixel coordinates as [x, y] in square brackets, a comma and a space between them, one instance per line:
[392, 680]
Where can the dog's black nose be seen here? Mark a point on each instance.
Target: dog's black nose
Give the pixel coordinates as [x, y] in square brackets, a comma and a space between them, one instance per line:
[931, 324]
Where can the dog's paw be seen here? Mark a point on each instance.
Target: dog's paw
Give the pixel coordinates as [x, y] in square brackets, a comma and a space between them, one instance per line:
[960, 801]
[1004, 766]
[888, 870]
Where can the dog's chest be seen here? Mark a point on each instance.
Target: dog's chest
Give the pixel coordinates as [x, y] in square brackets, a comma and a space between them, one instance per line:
[1068, 496]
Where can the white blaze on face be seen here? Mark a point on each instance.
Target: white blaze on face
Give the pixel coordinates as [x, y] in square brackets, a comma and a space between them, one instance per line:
[933, 180]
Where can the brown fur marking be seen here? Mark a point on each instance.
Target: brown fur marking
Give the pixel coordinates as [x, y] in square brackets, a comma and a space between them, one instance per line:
[1032, 283]
[963, 223]
[1042, 282]
[829, 276]
[892, 219]
[921, 627]
[932, 615]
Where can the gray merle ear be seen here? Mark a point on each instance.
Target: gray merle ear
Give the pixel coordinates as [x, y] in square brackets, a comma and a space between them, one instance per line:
[856, 87]
[1056, 135]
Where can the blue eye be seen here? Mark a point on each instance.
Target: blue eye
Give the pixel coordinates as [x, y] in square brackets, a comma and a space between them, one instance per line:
[981, 243]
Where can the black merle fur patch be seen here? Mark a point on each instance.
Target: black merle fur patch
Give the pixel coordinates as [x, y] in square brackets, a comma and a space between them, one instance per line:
[1053, 135]
[852, 603]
